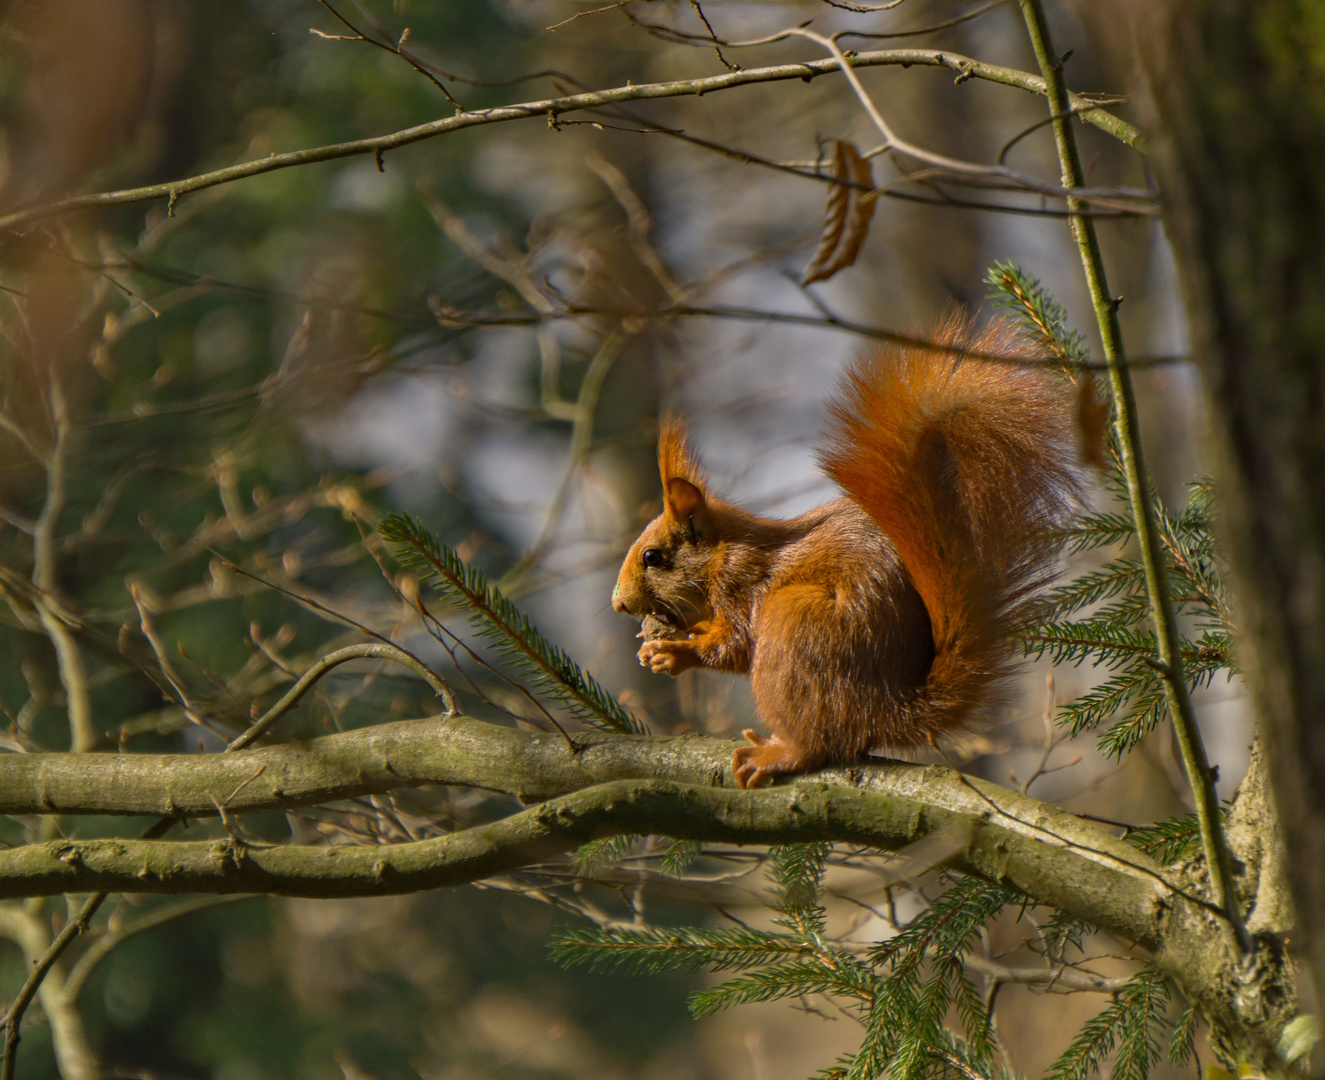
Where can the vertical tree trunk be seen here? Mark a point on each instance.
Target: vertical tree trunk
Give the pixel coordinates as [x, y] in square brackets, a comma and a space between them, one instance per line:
[1239, 89]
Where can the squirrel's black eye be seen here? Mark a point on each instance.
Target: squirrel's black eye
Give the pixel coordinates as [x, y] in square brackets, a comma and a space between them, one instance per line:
[652, 557]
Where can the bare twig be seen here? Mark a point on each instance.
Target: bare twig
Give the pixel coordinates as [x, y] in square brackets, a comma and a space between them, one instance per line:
[1126, 425]
[586, 406]
[827, 320]
[45, 577]
[73, 1054]
[108, 941]
[394, 46]
[553, 108]
[374, 650]
[955, 166]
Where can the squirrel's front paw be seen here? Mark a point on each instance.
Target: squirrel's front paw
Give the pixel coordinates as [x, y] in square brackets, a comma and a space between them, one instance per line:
[667, 657]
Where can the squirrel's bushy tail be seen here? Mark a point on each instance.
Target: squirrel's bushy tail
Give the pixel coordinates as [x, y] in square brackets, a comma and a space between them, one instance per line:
[969, 467]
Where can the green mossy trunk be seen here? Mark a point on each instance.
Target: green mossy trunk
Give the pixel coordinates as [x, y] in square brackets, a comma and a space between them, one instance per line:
[1240, 95]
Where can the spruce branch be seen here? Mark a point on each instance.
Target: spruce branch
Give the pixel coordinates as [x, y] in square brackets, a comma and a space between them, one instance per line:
[1132, 1023]
[1182, 1044]
[653, 950]
[678, 857]
[509, 628]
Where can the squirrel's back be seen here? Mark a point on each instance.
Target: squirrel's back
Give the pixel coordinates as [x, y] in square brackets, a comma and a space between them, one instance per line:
[969, 468]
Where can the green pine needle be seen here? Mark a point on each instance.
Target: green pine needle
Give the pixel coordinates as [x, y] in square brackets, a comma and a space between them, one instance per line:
[798, 978]
[1173, 840]
[650, 950]
[1148, 710]
[506, 626]
[1132, 1023]
[797, 870]
[599, 854]
[1041, 318]
[1182, 1046]
[1062, 932]
[679, 855]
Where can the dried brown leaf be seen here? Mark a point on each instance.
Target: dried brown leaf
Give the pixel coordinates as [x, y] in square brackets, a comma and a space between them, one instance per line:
[847, 214]
[1092, 422]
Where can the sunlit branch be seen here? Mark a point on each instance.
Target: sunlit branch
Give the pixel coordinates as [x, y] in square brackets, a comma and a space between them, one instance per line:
[1116, 894]
[554, 107]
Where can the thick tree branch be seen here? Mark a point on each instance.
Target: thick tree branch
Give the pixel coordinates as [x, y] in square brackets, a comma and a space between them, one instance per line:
[607, 785]
[1125, 895]
[465, 752]
[965, 67]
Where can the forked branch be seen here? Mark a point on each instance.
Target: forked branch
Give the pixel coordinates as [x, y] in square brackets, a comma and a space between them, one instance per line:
[964, 66]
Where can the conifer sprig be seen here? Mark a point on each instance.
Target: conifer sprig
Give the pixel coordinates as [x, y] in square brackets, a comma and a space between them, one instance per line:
[1102, 616]
[905, 988]
[1132, 1022]
[1039, 316]
[598, 854]
[652, 950]
[1172, 840]
[679, 855]
[1182, 1044]
[501, 622]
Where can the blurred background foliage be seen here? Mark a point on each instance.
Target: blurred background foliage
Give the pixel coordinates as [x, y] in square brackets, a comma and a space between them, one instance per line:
[252, 380]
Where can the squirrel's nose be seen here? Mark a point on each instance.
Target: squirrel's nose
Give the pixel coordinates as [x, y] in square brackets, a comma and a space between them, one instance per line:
[617, 604]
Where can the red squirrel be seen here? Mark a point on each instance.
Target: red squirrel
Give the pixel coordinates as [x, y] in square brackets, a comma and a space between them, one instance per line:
[886, 618]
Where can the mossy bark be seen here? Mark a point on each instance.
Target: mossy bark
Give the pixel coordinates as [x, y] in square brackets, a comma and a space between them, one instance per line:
[613, 784]
[1239, 94]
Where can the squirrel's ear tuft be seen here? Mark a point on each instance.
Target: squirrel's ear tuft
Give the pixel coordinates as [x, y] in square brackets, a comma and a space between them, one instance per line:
[674, 457]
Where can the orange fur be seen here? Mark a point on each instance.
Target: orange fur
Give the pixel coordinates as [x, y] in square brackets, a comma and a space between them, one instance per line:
[884, 618]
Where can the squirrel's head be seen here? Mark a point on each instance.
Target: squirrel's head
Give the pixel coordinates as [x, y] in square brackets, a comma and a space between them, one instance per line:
[666, 569]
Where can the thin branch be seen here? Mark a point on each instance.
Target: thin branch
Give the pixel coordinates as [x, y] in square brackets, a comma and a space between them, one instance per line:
[40, 970]
[713, 38]
[394, 47]
[373, 650]
[554, 107]
[811, 170]
[945, 25]
[83, 734]
[110, 940]
[451, 317]
[1219, 860]
[168, 671]
[586, 406]
[1049, 976]
[957, 167]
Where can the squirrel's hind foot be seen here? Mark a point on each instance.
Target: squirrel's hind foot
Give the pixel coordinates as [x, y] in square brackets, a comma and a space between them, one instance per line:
[755, 765]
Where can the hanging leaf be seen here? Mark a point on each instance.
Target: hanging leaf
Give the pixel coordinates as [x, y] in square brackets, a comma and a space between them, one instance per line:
[1093, 414]
[846, 216]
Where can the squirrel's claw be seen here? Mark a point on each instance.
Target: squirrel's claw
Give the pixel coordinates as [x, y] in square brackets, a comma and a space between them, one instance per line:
[755, 765]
